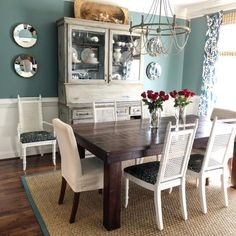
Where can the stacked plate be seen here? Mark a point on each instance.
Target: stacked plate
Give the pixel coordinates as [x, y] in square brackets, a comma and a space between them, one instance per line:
[88, 56]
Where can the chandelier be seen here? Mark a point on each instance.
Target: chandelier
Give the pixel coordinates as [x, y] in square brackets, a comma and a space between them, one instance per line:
[160, 31]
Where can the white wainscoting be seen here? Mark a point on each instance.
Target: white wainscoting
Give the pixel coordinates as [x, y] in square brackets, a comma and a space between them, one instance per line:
[9, 147]
[9, 119]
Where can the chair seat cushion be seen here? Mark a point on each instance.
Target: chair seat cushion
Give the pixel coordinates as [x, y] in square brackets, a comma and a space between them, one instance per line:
[36, 136]
[146, 171]
[195, 162]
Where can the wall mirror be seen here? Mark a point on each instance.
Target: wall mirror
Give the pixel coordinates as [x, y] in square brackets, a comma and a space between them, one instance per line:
[25, 66]
[153, 71]
[25, 35]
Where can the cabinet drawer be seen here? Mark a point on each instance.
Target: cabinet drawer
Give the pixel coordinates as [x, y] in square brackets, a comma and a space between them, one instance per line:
[123, 118]
[135, 110]
[122, 111]
[74, 122]
[82, 114]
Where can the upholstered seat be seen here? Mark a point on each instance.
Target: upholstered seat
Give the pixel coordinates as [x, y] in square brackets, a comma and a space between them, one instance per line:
[195, 162]
[36, 136]
[146, 171]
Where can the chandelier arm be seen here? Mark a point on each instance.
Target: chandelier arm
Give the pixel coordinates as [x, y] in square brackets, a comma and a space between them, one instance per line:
[169, 6]
[160, 13]
[152, 15]
[166, 12]
[150, 10]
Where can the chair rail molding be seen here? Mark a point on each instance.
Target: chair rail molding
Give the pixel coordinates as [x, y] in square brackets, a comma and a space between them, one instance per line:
[9, 147]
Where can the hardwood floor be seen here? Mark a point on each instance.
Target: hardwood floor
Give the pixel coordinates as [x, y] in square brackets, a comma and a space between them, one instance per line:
[16, 215]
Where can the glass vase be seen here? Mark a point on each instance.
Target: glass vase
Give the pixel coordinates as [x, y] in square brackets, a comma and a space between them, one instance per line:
[155, 118]
[180, 116]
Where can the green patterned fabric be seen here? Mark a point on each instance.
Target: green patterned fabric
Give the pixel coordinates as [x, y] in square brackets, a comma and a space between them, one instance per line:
[146, 171]
[36, 136]
[195, 162]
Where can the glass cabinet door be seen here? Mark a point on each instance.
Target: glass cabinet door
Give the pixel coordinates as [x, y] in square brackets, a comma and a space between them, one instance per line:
[125, 62]
[87, 55]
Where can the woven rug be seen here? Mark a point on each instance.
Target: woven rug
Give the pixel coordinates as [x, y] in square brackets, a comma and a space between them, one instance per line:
[138, 219]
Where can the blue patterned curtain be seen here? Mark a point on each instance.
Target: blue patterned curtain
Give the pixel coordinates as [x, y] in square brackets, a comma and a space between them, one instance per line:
[207, 97]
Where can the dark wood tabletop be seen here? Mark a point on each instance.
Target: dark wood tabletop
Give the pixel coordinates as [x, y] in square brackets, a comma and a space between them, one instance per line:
[114, 142]
[125, 140]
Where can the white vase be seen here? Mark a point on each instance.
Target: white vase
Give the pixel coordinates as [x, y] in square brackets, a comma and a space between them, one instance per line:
[117, 55]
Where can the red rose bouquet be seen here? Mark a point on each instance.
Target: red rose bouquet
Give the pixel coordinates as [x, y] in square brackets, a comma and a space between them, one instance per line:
[154, 100]
[182, 98]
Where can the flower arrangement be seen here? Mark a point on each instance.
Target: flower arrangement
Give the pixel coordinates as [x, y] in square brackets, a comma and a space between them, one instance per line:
[154, 100]
[182, 98]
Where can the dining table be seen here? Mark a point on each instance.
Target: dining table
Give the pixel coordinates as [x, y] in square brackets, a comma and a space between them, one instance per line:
[118, 141]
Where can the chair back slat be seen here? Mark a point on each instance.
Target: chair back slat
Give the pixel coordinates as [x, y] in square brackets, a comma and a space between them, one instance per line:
[176, 153]
[70, 159]
[104, 111]
[30, 114]
[219, 146]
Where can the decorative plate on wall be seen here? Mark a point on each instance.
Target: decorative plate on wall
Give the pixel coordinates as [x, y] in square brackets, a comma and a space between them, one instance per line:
[153, 71]
[25, 65]
[25, 35]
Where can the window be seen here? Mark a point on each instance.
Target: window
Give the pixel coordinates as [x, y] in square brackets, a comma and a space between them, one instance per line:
[226, 64]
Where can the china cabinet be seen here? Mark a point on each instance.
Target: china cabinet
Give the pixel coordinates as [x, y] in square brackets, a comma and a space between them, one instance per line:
[97, 62]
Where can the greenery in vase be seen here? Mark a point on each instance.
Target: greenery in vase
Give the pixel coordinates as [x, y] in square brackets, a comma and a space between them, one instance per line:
[182, 98]
[154, 100]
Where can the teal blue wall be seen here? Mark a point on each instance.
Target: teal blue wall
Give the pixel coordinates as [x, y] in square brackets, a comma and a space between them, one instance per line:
[43, 14]
[193, 55]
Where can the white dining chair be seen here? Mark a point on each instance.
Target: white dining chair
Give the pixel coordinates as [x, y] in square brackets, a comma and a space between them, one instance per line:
[80, 174]
[104, 111]
[214, 162]
[169, 172]
[31, 128]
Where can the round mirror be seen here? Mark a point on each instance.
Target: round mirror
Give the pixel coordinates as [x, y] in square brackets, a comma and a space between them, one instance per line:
[25, 35]
[153, 71]
[25, 66]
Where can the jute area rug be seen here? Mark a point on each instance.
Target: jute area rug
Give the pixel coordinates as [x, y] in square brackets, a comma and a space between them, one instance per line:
[138, 219]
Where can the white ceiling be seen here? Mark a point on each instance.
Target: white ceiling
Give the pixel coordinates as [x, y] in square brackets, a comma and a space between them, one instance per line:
[182, 8]
[195, 8]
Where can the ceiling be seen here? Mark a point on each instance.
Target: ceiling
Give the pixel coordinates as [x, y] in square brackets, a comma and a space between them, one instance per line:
[196, 8]
[182, 8]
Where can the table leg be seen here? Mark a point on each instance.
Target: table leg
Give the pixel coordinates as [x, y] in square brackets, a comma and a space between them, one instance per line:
[233, 172]
[112, 196]
[81, 151]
